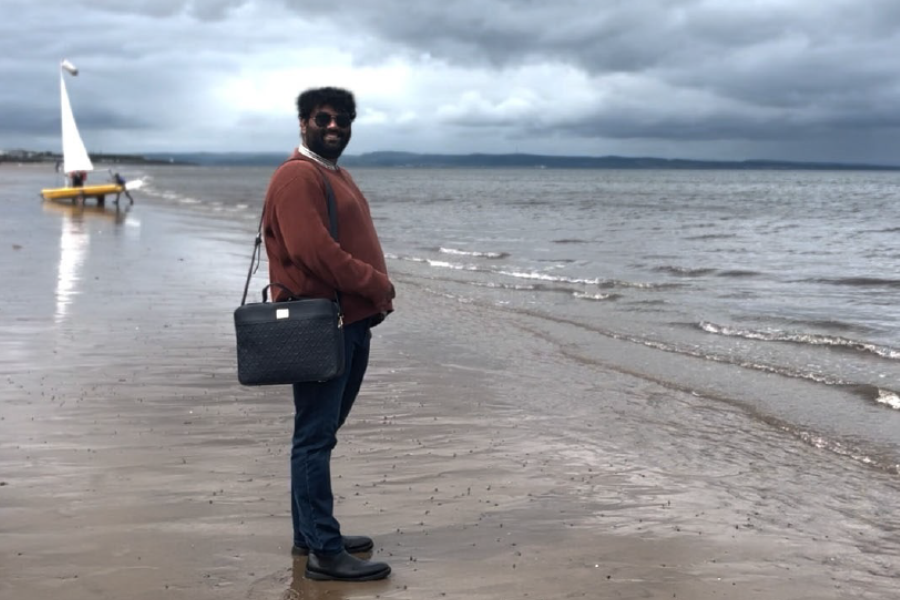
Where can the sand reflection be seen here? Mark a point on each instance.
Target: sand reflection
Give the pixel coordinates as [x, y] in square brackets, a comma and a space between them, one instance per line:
[79, 212]
[73, 245]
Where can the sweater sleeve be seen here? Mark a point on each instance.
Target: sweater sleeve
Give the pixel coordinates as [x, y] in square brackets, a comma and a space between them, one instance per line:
[301, 216]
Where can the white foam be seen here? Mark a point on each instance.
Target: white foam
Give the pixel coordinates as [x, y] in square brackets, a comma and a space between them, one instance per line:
[390, 256]
[475, 253]
[890, 399]
[800, 338]
[545, 277]
[441, 264]
[585, 296]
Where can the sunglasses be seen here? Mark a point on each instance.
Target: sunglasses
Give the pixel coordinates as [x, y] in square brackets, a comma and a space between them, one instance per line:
[324, 119]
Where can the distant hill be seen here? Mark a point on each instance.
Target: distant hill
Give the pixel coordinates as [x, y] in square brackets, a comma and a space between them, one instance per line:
[469, 161]
[247, 159]
[413, 160]
[32, 156]
[406, 159]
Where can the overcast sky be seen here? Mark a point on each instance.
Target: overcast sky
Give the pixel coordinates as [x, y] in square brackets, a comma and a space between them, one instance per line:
[717, 79]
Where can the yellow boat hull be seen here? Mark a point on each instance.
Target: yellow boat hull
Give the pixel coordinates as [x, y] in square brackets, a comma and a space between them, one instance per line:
[88, 191]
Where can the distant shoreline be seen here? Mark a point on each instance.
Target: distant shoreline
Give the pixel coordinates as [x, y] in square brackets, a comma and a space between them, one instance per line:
[410, 160]
[384, 159]
[29, 156]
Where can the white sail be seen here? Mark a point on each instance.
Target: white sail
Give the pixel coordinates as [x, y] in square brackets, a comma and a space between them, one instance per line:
[75, 156]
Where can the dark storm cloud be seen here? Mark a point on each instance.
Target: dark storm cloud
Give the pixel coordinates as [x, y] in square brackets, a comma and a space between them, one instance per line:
[792, 75]
[202, 10]
[800, 67]
[22, 119]
[605, 36]
[143, 65]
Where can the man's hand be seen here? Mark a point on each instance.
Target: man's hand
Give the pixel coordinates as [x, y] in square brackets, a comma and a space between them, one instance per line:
[385, 303]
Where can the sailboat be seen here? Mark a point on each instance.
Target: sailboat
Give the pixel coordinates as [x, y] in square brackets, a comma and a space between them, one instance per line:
[76, 162]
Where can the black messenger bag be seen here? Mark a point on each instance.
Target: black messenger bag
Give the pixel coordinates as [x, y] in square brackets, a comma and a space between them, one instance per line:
[295, 341]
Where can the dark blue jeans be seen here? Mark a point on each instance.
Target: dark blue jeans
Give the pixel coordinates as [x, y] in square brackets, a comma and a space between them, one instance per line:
[320, 410]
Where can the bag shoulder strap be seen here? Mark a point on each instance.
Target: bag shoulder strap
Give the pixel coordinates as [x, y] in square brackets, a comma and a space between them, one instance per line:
[257, 243]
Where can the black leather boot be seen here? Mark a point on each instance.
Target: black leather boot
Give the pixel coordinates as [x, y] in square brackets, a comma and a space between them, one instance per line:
[344, 567]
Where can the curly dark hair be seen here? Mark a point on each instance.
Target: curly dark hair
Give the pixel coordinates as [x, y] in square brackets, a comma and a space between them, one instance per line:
[337, 98]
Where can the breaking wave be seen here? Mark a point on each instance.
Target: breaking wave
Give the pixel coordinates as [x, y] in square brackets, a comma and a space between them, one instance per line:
[473, 253]
[889, 399]
[811, 339]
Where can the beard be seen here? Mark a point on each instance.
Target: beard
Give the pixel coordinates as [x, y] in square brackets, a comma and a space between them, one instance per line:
[322, 143]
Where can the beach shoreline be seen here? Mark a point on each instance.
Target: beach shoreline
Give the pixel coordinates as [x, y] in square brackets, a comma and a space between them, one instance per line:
[132, 463]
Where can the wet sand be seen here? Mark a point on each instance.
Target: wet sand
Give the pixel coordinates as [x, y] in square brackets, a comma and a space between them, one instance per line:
[133, 465]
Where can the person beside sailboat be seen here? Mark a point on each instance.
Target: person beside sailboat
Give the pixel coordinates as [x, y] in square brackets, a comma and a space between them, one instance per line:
[76, 163]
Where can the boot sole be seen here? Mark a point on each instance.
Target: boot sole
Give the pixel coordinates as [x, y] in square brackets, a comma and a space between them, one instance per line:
[319, 576]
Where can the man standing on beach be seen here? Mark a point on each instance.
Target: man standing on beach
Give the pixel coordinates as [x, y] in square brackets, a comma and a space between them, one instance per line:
[308, 261]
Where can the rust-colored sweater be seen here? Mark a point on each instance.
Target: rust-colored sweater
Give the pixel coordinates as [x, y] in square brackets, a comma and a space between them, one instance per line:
[302, 254]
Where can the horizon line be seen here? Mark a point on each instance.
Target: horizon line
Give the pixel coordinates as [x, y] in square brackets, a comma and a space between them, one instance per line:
[157, 153]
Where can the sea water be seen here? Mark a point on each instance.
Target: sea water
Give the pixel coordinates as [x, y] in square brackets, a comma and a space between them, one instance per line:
[777, 291]
[728, 337]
